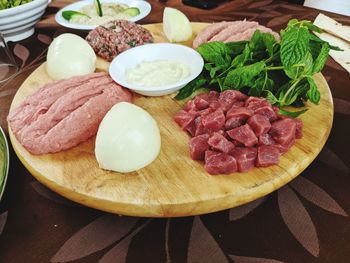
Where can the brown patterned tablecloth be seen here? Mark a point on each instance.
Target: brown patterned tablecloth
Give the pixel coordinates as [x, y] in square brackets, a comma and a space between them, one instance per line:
[305, 221]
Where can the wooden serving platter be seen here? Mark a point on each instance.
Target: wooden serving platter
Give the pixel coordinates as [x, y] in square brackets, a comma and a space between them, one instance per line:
[173, 185]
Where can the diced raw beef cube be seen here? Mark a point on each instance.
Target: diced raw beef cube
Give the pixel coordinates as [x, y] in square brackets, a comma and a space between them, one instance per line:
[266, 139]
[215, 105]
[254, 103]
[230, 96]
[238, 103]
[245, 157]
[275, 109]
[204, 96]
[285, 147]
[219, 143]
[234, 122]
[214, 121]
[259, 123]
[219, 163]
[198, 146]
[200, 104]
[205, 111]
[183, 118]
[266, 111]
[267, 155]
[299, 128]
[283, 131]
[244, 134]
[241, 112]
[190, 106]
[213, 95]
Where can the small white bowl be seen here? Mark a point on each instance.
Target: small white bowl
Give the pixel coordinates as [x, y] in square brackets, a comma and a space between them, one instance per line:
[18, 22]
[153, 52]
[143, 6]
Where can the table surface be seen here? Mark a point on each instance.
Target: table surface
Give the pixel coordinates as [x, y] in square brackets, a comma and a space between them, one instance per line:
[305, 221]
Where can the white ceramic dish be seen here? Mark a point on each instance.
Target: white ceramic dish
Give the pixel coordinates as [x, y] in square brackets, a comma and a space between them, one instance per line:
[18, 22]
[153, 52]
[3, 184]
[143, 6]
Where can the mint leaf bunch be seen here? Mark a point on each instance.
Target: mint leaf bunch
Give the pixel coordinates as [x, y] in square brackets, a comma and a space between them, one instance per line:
[281, 71]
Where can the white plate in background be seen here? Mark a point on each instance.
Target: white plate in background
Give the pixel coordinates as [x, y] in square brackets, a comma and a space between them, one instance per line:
[143, 6]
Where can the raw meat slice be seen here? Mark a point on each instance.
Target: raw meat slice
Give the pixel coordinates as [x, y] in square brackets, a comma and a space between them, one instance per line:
[219, 163]
[244, 134]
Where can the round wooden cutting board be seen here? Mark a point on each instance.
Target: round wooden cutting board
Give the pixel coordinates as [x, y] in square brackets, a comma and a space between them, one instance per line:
[173, 185]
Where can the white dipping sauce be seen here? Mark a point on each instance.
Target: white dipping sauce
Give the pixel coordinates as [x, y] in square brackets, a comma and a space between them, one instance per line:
[157, 73]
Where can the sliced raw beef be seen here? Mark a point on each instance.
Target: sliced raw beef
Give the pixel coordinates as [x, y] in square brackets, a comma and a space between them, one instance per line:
[219, 163]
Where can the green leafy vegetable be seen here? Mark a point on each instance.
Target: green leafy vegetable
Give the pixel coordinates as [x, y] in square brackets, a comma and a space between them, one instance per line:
[4, 4]
[191, 87]
[3, 161]
[293, 114]
[69, 14]
[281, 71]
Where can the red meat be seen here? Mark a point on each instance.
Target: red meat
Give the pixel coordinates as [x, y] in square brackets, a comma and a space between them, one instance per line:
[259, 123]
[244, 134]
[219, 143]
[267, 155]
[219, 163]
[198, 146]
[245, 158]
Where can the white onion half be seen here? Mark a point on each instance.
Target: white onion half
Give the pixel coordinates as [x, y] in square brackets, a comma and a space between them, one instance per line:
[70, 55]
[128, 139]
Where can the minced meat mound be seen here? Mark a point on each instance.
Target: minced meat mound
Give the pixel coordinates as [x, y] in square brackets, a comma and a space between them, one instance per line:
[116, 36]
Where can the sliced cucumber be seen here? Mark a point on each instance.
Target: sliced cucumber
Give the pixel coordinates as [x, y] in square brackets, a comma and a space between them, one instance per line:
[69, 14]
[132, 11]
[98, 7]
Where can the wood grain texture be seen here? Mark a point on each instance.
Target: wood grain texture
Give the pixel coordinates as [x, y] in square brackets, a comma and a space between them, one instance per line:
[173, 185]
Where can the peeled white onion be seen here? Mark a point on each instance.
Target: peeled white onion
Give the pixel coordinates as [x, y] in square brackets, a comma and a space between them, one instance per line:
[128, 139]
[70, 55]
[176, 26]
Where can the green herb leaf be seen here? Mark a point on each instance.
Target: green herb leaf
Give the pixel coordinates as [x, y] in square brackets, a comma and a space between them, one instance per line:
[262, 42]
[243, 76]
[294, 46]
[216, 52]
[322, 58]
[191, 87]
[313, 93]
[236, 47]
[69, 14]
[293, 114]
